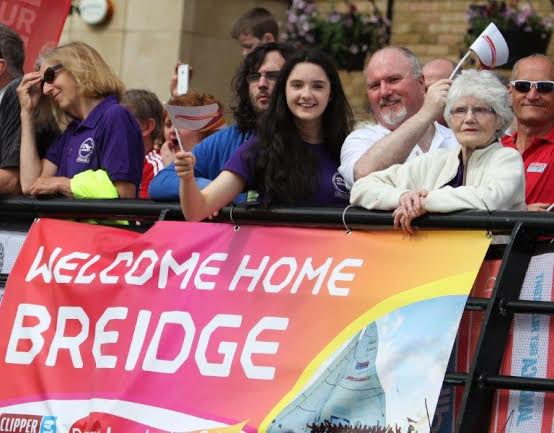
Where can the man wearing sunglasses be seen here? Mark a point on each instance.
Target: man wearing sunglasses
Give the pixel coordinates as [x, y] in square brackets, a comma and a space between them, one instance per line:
[532, 90]
[12, 57]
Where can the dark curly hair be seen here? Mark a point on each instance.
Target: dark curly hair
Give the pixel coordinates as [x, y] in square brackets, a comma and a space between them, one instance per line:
[286, 170]
[243, 111]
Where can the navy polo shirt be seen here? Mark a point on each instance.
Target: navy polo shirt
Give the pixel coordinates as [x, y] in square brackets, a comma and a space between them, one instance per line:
[109, 138]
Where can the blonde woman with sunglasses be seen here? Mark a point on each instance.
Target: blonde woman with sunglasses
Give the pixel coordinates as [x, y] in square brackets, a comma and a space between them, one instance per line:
[479, 174]
[98, 134]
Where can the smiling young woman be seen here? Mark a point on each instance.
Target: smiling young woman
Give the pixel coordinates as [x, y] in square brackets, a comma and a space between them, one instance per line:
[295, 156]
[76, 84]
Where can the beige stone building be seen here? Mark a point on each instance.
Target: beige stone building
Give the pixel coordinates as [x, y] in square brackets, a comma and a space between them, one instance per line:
[144, 38]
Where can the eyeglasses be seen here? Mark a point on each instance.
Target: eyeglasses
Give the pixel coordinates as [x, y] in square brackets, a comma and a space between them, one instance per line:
[50, 74]
[477, 112]
[524, 86]
[269, 76]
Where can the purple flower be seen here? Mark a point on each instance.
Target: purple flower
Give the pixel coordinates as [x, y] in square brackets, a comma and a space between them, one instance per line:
[334, 17]
[523, 15]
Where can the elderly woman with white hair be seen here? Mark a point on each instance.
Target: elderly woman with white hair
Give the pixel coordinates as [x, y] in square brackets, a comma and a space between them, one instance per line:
[479, 174]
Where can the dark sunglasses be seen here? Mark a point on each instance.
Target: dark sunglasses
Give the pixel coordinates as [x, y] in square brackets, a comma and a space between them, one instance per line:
[524, 86]
[50, 74]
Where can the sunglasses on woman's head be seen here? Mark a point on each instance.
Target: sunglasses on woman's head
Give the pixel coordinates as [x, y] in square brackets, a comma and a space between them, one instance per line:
[524, 86]
[50, 74]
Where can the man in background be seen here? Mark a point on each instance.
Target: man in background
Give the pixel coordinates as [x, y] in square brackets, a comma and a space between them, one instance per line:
[12, 57]
[148, 110]
[437, 69]
[256, 26]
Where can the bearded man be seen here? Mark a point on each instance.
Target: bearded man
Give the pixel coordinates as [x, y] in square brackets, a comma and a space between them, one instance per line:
[405, 113]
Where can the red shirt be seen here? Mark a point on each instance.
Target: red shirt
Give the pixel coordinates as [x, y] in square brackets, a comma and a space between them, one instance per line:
[152, 164]
[538, 160]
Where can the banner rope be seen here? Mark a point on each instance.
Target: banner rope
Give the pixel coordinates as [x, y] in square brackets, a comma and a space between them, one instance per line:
[348, 231]
[237, 227]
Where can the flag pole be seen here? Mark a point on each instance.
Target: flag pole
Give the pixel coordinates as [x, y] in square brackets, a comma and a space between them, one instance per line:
[459, 65]
[178, 138]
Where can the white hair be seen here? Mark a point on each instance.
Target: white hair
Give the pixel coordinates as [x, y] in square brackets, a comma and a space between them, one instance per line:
[486, 87]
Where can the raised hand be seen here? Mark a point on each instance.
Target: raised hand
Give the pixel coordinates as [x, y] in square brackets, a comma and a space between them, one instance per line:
[435, 98]
[29, 91]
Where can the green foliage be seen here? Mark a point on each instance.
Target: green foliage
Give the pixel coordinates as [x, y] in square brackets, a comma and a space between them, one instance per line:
[346, 36]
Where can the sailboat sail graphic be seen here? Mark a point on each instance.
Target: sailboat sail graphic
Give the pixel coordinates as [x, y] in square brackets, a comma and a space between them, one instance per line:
[348, 392]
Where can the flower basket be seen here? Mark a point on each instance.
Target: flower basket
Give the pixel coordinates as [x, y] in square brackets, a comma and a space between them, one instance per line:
[525, 31]
[348, 36]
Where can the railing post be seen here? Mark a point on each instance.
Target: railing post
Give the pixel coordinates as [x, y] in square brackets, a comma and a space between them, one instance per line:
[478, 398]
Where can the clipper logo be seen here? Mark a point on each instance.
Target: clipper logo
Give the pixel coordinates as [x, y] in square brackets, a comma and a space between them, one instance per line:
[19, 423]
[85, 150]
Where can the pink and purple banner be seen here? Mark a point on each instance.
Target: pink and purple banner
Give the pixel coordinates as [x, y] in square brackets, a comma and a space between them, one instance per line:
[196, 326]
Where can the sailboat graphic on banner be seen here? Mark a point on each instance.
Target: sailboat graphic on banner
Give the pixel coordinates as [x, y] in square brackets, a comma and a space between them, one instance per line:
[348, 392]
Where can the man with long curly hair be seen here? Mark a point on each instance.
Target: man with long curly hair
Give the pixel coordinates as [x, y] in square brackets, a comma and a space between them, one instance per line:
[252, 85]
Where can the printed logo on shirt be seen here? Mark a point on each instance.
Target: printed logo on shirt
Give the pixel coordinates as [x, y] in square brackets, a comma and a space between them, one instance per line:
[537, 167]
[86, 150]
[340, 187]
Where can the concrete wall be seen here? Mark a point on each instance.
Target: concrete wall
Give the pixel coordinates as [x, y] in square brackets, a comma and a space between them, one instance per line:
[144, 39]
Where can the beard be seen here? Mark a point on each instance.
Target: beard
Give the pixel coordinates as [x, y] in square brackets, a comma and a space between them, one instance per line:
[257, 105]
[394, 117]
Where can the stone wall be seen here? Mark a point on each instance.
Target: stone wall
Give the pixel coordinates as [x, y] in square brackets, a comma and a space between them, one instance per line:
[145, 38]
[436, 28]
[430, 28]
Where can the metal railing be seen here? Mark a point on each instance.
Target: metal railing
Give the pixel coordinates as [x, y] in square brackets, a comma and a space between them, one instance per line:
[481, 381]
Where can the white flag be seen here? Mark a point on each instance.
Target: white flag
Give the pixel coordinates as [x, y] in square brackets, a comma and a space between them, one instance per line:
[491, 47]
[198, 118]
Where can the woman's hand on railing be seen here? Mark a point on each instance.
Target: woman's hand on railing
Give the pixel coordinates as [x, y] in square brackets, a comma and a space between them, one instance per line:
[412, 205]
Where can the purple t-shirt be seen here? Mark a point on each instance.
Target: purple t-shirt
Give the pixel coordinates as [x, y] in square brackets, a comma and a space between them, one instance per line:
[109, 138]
[330, 188]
